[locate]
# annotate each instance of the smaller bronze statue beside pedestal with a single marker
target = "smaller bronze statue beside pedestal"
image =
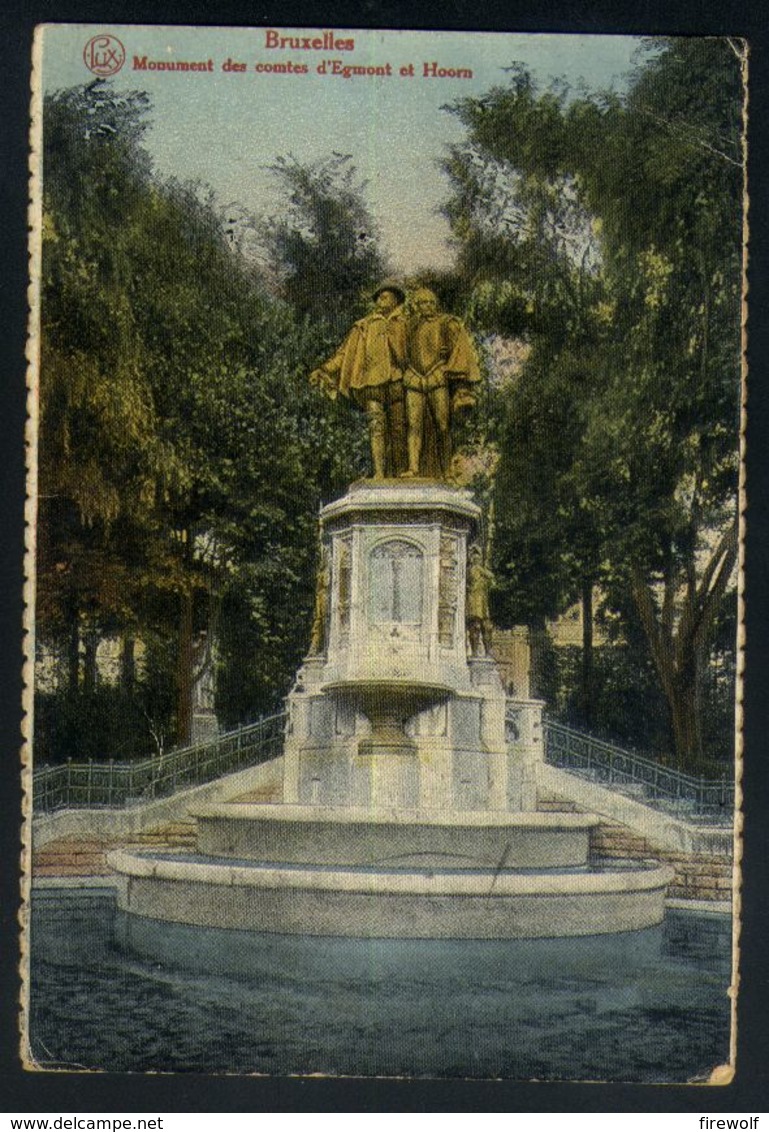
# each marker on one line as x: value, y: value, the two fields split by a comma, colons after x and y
x: 320, y: 615
x: 477, y: 614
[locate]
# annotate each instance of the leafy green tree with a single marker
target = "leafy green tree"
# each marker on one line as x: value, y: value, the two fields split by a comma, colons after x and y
x: 548, y: 545
x: 324, y: 246
x: 183, y: 456
x: 636, y: 338
x: 668, y: 432
x: 531, y: 260
x: 104, y: 459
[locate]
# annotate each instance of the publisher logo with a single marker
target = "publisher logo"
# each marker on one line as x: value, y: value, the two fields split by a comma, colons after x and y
x: 104, y: 55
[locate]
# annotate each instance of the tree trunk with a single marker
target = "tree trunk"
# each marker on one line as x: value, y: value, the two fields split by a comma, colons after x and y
x: 73, y: 651
x: 541, y: 682
x: 680, y: 652
x: 89, y: 661
x: 586, y: 691
x: 685, y: 717
x: 184, y: 676
x: 128, y: 664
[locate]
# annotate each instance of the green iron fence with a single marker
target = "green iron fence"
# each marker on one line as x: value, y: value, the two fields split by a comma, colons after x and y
x: 687, y: 796
x: 120, y: 784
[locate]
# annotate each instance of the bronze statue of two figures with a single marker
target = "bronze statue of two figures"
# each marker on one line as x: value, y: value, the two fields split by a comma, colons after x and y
x: 413, y: 373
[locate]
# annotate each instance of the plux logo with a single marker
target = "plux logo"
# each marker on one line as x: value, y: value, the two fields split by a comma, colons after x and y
x: 104, y: 55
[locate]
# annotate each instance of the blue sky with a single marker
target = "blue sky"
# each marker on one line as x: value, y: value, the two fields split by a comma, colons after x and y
x: 226, y: 129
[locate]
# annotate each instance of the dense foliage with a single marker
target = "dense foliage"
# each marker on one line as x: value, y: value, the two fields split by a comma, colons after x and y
x: 607, y: 232
x: 183, y: 456
x: 323, y: 246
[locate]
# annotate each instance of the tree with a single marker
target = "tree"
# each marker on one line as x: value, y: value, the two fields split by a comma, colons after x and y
x: 643, y: 346
x: 104, y: 459
x: 530, y: 258
x: 323, y: 247
x: 182, y: 455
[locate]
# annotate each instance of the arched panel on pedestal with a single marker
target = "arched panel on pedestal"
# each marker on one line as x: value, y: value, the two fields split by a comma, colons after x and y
x: 396, y: 573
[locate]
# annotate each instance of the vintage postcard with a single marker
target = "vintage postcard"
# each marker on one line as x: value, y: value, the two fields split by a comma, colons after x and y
x: 385, y: 416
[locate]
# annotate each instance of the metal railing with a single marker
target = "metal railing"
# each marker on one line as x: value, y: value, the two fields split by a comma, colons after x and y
x: 120, y: 784
x: 659, y: 786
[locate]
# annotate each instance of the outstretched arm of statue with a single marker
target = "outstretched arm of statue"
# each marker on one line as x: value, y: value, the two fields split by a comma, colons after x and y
x: 328, y: 376
x: 325, y: 381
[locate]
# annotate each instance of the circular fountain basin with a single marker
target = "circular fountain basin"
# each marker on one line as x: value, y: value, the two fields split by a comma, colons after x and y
x: 375, y: 688
x: 295, y: 834
x: 388, y: 903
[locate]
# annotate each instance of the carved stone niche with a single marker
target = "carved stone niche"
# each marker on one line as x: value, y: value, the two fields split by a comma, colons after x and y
x: 398, y: 584
x: 395, y: 583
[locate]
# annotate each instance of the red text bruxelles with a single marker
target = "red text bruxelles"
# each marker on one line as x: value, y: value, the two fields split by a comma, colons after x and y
x: 324, y: 42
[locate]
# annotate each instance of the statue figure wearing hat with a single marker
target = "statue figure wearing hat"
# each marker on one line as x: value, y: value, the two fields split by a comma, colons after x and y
x: 368, y: 369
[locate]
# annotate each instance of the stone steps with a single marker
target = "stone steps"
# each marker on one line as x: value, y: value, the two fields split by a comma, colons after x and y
x: 69, y: 857
x: 698, y: 876
x: 552, y: 805
x: 264, y: 794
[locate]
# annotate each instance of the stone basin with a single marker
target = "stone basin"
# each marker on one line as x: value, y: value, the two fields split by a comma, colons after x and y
x: 389, y: 704
x: 349, y: 836
x: 366, y: 903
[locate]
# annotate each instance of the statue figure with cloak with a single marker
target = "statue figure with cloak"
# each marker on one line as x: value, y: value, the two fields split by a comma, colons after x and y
x: 413, y: 376
x: 477, y: 614
x: 440, y: 378
x: 368, y: 369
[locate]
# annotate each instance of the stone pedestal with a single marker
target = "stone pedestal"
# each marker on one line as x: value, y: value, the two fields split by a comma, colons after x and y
x: 394, y: 714
x: 406, y: 771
